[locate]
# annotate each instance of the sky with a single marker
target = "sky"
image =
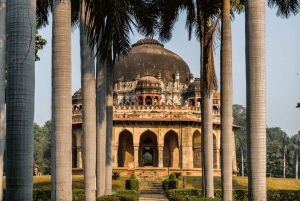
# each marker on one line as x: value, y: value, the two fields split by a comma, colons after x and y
x: 282, y: 67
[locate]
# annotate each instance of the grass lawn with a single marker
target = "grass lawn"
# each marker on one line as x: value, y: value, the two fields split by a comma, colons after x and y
x: 44, y: 182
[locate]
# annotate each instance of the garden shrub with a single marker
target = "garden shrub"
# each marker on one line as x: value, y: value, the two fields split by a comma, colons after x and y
x: 132, y: 183
x: 173, y: 182
x: 237, y: 195
x: 170, y: 183
x: 116, y: 175
x: 132, y: 194
x: 108, y: 198
x: 165, y: 185
x: 120, y: 196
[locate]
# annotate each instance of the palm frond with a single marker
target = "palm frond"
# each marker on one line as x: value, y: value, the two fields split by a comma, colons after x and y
x: 43, y: 9
x: 285, y: 7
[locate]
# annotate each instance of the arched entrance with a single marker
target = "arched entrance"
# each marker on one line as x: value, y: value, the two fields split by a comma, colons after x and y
x: 125, y: 149
x: 197, y: 149
x: 171, y: 150
x: 74, y: 151
x: 148, y: 150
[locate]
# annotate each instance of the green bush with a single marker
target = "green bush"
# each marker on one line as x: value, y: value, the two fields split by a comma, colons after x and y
x: 132, y: 183
x: 173, y: 182
x: 45, y: 194
x: 78, y: 195
x: 165, y: 185
x: 170, y: 183
x: 172, y: 176
x: 108, y: 198
x: 116, y: 175
x: 132, y: 194
x: 120, y: 196
x: 237, y: 195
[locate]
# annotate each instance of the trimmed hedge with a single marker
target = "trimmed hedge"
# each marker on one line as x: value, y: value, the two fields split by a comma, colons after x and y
x: 120, y: 196
x: 238, y: 195
x: 132, y: 183
x: 170, y: 183
x: 45, y: 194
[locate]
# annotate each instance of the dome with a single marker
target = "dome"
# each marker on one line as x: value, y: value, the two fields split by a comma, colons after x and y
x: 149, y: 57
x: 76, y: 98
x: 194, y: 89
x: 194, y: 86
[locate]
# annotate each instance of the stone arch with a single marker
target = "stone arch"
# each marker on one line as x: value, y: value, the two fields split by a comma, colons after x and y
x: 125, y: 149
x: 197, y: 163
x: 148, y: 149
x: 171, y: 150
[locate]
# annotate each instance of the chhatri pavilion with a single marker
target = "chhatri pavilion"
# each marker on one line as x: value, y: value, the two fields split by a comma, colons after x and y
x: 156, y: 115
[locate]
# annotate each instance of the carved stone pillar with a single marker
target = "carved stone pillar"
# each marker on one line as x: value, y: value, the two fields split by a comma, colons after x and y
x: 141, y: 163
x: 115, y: 163
x: 152, y: 100
x: 144, y: 99
x: 158, y: 100
x: 136, y: 156
x: 218, y: 158
x: 188, y: 101
x: 160, y: 156
x: 79, y: 156
x: 154, y: 158
x: 137, y: 100
x: 196, y: 101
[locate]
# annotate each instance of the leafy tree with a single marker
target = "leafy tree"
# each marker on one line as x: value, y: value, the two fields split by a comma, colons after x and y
x: 277, y: 140
x: 40, y: 42
x: 239, y: 118
x: 293, y: 154
x: 42, y: 147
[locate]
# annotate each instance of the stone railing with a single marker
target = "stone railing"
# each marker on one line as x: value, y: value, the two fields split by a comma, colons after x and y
x: 153, y: 111
x: 157, y: 107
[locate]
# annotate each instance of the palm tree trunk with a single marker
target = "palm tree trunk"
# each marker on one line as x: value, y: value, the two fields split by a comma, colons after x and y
x: 284, y: 162
x: 2, y: 83
x: 206, y: 113
x: 61, y: 139
x: 256, y: 99
x: 89, y: 110
x: 296, y: 173
x: 101, y: 128
x: 226, y: 103
x: 242, y: 162
x: 20, y: 99
x: 109, y: 126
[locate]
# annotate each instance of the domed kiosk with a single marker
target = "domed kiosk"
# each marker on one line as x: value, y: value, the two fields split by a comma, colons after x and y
x: 156, y: 114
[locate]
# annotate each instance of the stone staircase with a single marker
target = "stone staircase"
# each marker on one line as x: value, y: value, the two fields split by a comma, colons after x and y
x: 150, y: 182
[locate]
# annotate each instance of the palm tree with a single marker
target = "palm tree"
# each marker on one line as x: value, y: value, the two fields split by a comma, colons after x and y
x: 256, y: 99
x: 109, y: 126
x: 226, y: 102
x: 109, y: 30
x: 101, y: 127
x: 89, y: 110
x: 241, y: 145
x: 2, y: 83
x: 61, y: 164
x: 20, y: 99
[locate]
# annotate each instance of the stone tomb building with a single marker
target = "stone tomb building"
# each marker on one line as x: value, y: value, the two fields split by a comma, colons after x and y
x: 156, y: 114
